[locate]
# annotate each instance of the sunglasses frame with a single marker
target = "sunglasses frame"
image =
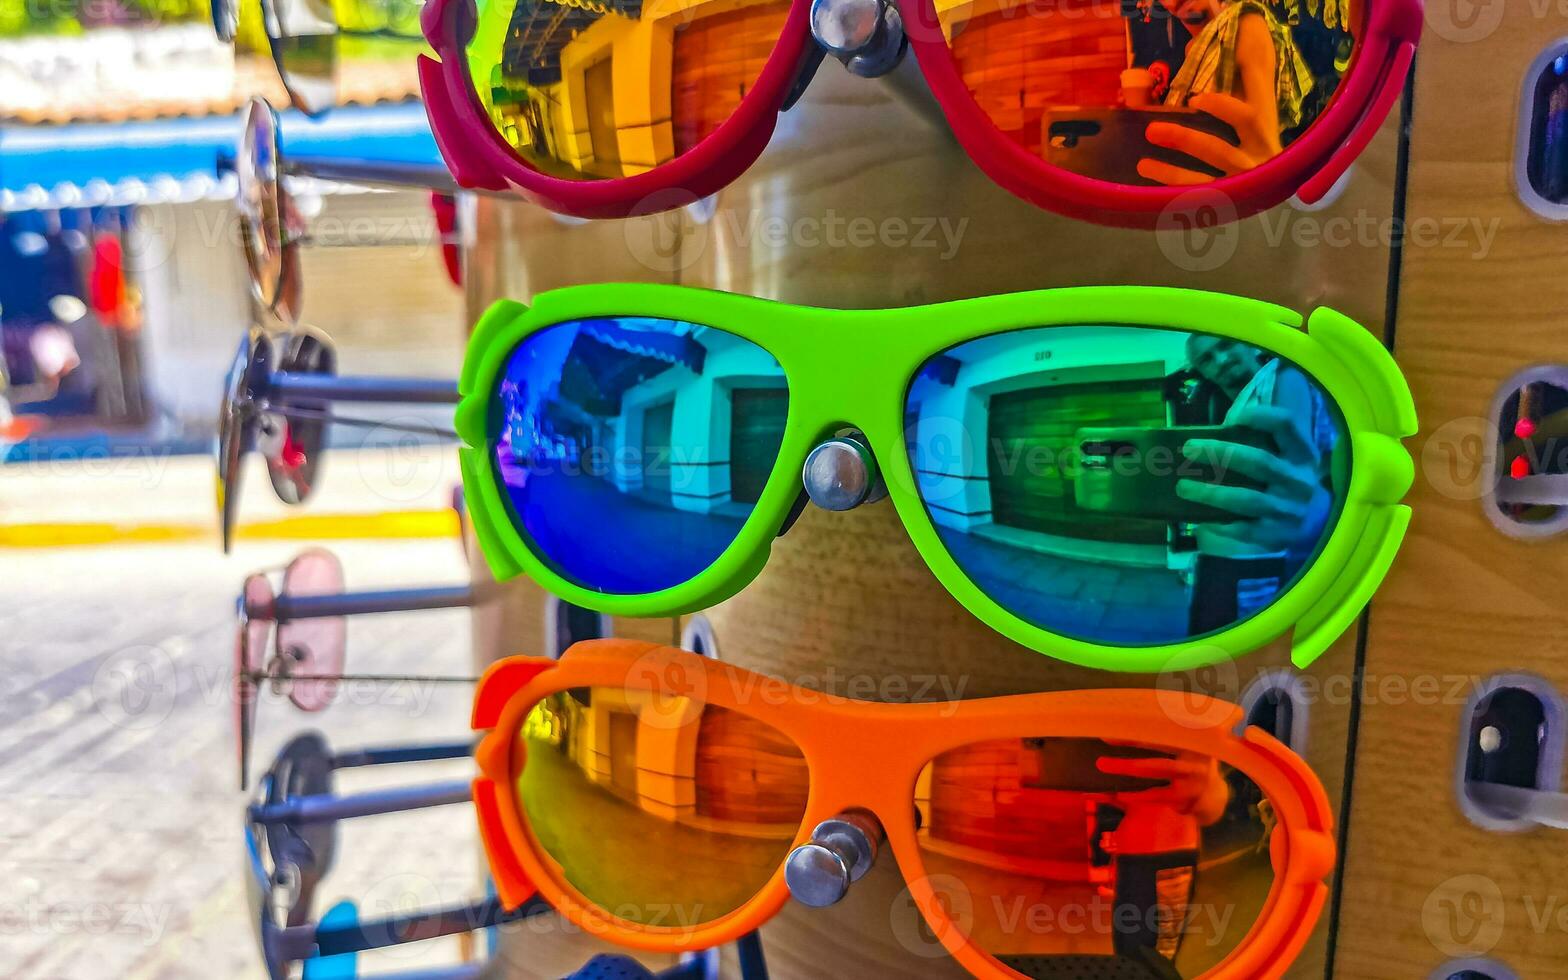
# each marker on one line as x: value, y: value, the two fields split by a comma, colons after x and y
x: 853, y: 368
x: 480, y: 159
x: 894, y: 742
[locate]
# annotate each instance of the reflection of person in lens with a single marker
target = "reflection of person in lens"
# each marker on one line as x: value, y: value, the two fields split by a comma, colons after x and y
x: 1284, y: 511
x: 1242, y: 66
x: 1126, y: 843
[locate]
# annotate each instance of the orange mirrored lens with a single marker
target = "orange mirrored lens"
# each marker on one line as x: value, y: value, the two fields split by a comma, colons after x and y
x: 1063, y: 856
x: 659, y: 810
x: 587, y: 89
x: 1150, y: 92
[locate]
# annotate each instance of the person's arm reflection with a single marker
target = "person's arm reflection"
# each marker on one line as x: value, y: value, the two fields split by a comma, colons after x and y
x: 1242, y: 68
x: 1193, y: 786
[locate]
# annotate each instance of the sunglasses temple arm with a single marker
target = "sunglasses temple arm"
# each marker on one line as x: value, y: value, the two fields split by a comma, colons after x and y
x: 396, y: 756
x: 408, y: 175
x: 753, y: 966
x: 810, y: 61
x: 379, y: 934
x: 326, y: 809
x: 286, y: 386
x: 290, y: 607
x: 468, y: 971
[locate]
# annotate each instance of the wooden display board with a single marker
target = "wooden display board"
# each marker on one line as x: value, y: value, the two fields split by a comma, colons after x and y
x: 864, y: 200
x: 1423, y: 884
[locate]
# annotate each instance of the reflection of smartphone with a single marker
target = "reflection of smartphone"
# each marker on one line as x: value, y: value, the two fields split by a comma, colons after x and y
x: 1133, y: 470
x: 1072, y: 765
x: 1107, y: 142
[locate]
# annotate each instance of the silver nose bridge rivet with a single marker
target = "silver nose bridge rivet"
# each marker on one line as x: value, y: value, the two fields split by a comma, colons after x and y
x: 840, y: 852
x: 841, y: 474
x: 866, y: 35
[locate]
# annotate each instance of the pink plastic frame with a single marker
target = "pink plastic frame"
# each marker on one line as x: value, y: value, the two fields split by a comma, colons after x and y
x: 480, y: 159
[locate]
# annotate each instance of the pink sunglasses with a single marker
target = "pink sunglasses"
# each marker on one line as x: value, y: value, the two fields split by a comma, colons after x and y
x: 1114, y: 111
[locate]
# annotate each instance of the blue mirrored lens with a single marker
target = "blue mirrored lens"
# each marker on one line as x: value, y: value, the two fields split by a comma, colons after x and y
x: 1125, y: 485
x: 632, y: 450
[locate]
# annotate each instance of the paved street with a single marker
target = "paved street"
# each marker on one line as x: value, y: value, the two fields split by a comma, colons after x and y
x: 121, y: 822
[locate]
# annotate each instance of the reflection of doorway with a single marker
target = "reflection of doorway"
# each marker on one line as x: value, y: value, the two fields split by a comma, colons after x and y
x: 1029, y: 439
x: 756, y: 430
x: 623, y: 753
x: 600, y: 85
x: 658, y: 423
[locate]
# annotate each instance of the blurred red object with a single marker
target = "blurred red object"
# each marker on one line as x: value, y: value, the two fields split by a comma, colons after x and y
x: 445, y: 208
x: 106, y: 281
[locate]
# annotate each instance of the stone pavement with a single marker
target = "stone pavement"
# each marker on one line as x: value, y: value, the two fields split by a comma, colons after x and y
x: 120, y: 833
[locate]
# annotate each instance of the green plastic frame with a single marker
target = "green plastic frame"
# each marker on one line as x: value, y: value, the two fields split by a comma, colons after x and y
x: 854, y: 367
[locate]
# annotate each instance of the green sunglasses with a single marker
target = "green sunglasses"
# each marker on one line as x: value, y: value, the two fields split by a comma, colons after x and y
x: 1135, y: 479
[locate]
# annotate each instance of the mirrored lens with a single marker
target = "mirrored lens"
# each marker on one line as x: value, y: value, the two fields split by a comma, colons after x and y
x: 588, y: 90
x: 1068, y: 858
x: 632, y: 450
x: 1125, y: 485
x: 1152, y: 91
x: 659, y: 810
x: 304, y: 37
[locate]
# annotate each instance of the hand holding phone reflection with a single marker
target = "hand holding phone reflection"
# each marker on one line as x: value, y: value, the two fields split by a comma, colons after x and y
x: 1259, y: 141
x: 1193, y: 783
x: 1290, y: 508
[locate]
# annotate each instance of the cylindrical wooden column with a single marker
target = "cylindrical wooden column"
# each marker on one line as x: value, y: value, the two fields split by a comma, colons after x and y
x: 864, y: 200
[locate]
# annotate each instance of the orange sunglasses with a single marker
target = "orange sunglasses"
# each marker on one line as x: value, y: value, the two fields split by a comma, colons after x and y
x: 654, y: 797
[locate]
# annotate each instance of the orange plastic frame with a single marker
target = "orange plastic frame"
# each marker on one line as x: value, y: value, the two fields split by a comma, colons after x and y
x: 867, y: 755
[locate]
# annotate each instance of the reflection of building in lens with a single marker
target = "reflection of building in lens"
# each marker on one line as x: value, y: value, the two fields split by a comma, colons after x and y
x: 611, y: 89
x: 706, y: 767
x: 638, y: 447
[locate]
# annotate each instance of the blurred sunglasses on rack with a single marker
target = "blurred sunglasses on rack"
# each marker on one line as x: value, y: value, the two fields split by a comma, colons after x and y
x: 314, y: 43
x: 283, y: 393
x: 1130, y: 479
x: 667, y: 801
x: 291, y: 845
x: 307, y: 621
x: 291, y: 839
x: 1106, y: 110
